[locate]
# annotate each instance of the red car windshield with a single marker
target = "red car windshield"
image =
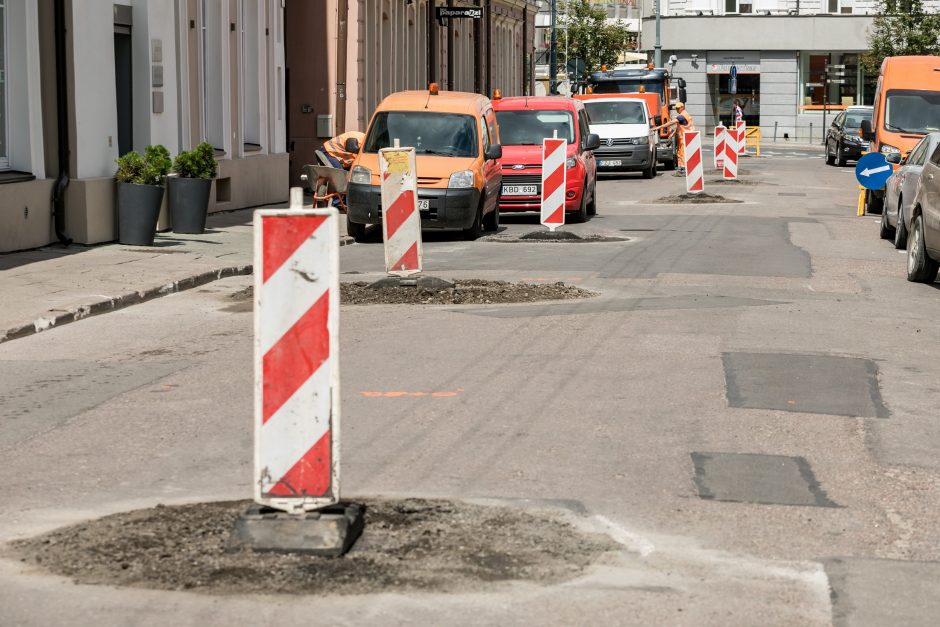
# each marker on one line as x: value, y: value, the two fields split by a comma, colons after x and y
x: 528, y: 127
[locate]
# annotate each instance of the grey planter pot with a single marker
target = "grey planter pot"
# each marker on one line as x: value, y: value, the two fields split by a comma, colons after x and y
x: 188, y: 203
x: 138, y: 211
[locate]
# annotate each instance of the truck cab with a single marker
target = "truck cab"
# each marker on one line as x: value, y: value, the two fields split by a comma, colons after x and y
x: 651, y: 83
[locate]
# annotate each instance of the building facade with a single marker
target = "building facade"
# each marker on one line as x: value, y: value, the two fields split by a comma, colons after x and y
x: 86, y: 81
x: 345, y: 56
x: 796, y: 62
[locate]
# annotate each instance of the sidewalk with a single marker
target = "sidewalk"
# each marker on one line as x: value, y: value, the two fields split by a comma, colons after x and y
x: 54, y: 285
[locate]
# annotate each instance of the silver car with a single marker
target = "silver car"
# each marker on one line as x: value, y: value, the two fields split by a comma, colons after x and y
x: 901, y: 189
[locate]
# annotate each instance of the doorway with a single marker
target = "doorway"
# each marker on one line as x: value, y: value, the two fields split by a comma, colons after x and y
x: 747, y: 91
x: 123, y: 77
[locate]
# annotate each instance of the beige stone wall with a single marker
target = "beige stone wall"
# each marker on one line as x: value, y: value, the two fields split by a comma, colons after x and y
x: 25, y: 215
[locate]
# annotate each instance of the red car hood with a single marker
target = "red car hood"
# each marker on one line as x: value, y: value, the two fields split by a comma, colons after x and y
x: 526, y: 155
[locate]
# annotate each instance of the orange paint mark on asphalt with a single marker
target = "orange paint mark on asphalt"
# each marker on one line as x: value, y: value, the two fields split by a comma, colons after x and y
x: 396, y: 394
x: 791, y: 402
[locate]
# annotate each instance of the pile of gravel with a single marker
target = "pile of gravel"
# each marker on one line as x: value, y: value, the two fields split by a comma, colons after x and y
x: 464, y: 292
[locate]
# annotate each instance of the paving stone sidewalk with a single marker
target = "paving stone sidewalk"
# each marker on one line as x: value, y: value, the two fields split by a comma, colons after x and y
x: 54, y: 285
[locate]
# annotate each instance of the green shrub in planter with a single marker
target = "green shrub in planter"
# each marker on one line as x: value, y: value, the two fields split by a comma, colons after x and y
x: 140, y: 194
x: 189, y: 190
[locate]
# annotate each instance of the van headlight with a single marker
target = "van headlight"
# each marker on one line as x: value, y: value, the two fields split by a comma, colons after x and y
x: 570, y: 162
x: 888, y: 150
x: 360, y: 175
x: 640, y: 141
x: 464, y: 178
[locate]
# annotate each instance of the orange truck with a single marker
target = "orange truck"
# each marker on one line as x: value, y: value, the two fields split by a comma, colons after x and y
x: 654, y: 86
x: 907, y: 107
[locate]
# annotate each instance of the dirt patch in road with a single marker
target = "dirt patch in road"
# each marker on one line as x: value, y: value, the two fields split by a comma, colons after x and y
x: 694, y: 199
x: 412, y: 544
x: 464, y: 292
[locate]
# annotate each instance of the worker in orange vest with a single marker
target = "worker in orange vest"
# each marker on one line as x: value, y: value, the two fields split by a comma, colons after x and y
x: 683, y: 122
x: 335, y: 149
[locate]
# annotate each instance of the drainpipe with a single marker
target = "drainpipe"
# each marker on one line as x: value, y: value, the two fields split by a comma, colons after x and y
x: 62, y: 113
x: 342, y: 30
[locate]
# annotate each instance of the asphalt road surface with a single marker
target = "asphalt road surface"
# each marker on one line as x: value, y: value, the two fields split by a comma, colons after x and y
x: 749, y: 409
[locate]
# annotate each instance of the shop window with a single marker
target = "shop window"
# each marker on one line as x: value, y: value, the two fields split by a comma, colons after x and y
x: 4, y: 151
x: 832, y: 81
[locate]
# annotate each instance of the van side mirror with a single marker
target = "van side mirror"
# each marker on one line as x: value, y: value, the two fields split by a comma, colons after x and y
x: 867, y: 133
x: 352, y: 145
x: 593, y: 142
x: 893, y: 157
x: 493, y: 151
x: 681, y: 83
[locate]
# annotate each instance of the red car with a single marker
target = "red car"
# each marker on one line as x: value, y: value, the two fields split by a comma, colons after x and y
x: 523, y: 123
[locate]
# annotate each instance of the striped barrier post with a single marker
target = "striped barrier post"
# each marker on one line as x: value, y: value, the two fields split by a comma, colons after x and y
x: 742, y: 137
x: 719, y: 152
x: 730, y: 166
x: 694, y: 168
x: 401, y: 221
x: 296, y: 329
x: 553, y: 182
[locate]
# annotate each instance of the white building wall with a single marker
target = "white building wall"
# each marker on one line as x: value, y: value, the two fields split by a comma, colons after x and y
x: 91, y: 34
x: 779, y: 83
x: 153, y: 21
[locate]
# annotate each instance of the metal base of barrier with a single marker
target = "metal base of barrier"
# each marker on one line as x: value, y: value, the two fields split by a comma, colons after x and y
x: 330, y: 531
x: 422, y: 281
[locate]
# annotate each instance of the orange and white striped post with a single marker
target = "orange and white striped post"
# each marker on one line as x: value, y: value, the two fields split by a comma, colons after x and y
x: 742, y: 137
x: 719, y: 152
x: 694, y: 168
x: 401, y: 221
x: 730, y: 166
x: 296, y: 325
x: 554, y: 180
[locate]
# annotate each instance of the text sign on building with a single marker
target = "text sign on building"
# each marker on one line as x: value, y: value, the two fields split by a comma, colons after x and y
x: 444, y: 13
x: 741, y: 63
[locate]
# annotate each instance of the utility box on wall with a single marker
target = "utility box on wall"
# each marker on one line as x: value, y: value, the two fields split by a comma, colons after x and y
x: 325, y: 125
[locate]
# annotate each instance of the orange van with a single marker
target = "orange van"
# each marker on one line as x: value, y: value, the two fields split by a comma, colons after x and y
x: 456, y: 142
x: 907, y: 107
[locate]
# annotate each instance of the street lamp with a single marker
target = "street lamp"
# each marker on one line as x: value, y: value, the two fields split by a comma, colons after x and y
x: 657, y: 47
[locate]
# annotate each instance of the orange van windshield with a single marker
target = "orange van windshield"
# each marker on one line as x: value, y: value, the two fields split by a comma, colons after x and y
x: 430, y: 133
x: 912, y: 111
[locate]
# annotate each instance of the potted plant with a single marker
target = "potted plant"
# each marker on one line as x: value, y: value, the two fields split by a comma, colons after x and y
x: 140, y: 194
x: 189, y: 190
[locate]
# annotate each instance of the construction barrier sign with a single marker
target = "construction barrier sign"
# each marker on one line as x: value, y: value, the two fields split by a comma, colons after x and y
x: 554, y: 181
x: 694, y: 170
x: 401, y: 220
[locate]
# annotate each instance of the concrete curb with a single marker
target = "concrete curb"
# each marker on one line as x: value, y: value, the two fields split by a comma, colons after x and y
x: 74, y: 314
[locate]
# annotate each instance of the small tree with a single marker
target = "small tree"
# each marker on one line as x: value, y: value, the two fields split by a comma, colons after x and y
x: 901, y: 28
x: 589, y: 36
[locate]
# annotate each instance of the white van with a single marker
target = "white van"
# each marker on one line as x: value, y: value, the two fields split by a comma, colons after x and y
x: 624, y: 124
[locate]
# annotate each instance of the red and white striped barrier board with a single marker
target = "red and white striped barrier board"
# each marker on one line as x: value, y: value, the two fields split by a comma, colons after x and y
x: 719, y: 152
x: 730, y: 165
x: 296, y: 358
x: 694, y: 169
x: 742, y: 137
x: 554, y: 181
x: 401, y: 221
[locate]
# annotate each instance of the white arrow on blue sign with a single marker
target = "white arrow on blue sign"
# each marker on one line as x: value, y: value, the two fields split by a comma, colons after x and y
x: 872, y: 171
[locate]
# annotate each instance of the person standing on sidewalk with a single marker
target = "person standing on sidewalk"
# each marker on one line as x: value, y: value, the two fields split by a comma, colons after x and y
x: 738, y: 112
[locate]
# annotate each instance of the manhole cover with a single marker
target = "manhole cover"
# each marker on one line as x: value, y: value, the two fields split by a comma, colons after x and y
x: 818, y: 384
x: 412, y: 544
x: 763, y: 479
x: 694, y: 199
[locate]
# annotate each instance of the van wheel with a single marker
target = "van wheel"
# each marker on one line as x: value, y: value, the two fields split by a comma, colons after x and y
x: 491, y: 220
x: 355, y: 230
x: 650, y: 172
x: 476, y: 229
x: 920, y: 267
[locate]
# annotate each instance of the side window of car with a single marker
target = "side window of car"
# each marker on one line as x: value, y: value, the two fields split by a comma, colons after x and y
x: 493, y: 127
x: 485, y: 133
x: 935, y: 157
x: 916, y: 157
x: 583, y: 128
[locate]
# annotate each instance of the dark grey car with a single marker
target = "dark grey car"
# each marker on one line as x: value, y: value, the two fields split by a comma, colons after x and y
x: 923, y: 225
x: 901, y: 189
x: 843, y: 141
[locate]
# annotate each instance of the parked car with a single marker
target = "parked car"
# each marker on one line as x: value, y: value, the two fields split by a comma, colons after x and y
x: 843, y: 141
x: 902, y: 188
x: 624, y: 124
x: 923, y: 225
x: 907, y: 107
x: 456, y: 142
x: 523, y: 124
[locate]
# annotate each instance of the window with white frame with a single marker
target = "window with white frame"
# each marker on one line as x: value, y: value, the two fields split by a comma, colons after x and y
x: 4, y: 132
x: 841, y: 6
x: 739, y: 6
x: 251, y: 45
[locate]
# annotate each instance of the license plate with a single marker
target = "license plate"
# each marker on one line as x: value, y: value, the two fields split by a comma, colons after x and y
x: 609, y: 163
x: 520, y: 190
x: 424, y: 205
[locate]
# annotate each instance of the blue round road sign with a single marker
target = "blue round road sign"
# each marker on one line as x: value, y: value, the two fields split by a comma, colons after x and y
x: 872, y: 171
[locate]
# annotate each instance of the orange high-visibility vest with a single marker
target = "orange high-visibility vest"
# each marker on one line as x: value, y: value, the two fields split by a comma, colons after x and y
x: 336, y: 147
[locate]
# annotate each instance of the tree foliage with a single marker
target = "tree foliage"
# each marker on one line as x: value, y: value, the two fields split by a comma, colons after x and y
x: 901, y: 28
x: 589, y: 36
x: 198, y: 163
